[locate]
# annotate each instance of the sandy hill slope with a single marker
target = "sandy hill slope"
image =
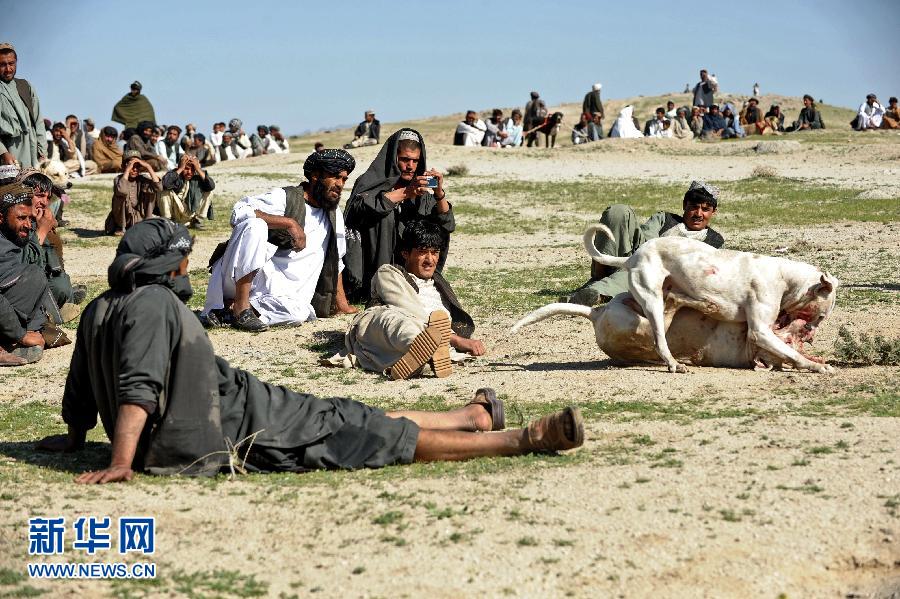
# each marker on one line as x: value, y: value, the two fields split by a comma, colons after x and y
x: 439, y: 129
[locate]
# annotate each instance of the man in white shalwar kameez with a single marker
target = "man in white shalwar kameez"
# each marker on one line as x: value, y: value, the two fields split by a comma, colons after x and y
x: 283, y: 261
x: 870, y: 114
x: 624, y: 125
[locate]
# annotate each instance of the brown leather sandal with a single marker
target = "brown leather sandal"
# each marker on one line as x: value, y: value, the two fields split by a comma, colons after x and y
x: 549, y: 433
x: 487, y: 397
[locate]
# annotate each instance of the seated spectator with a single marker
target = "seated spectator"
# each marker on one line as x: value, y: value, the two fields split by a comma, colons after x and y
x: 92, y: 134
x: 260, y: 141
x: 126, y: 134
x: 713, y: 123
x: 699, y: 205
x: 753, y: 121
x: 732, y: 123
x: 283, y: 261
x: 77, y: 135
x: 810, y: 118
x: 385, y: 199
x: 869, y: 116
x: 239, y: 138
x: 775, y: 118
x: 514, y: 130
x: 186, y: 193
x: 172, y: 150
x: 471, y: 131
x: 580, y: 133
x: 230, y: 150
x: 187, y: 140
x: 215, y: 137
x: 23, y: 287
x: 202, y: 150
x: 671, y: 112
x: 367, y: 133
x: 391, y: 334
x: 135, y: 193
x: 144, y: 144
x: 44, y: 247
x: 891, y: 119
x: 107, y: 153
x: 624, y: 125
x: 280, y: 145
x: 62, y: 149
x: 658, y: 126
x: 697, y: 121
x: 595, y: 127
x: 496, y: 130
x: 681, y: 128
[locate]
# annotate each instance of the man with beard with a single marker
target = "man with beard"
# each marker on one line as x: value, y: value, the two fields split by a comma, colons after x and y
x: 391, y: 193
x: 282, y: 263
x: 142, y: 143
x: 170, y: 406
x: 173, y: 151
x: 133, y: 108
x: 43, y: 247
x: 700, y: 204
x: 22, y: 130
x: 23, y: 287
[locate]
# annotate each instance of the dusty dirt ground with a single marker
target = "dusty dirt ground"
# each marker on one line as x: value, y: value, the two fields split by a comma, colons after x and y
x: 732, y: 484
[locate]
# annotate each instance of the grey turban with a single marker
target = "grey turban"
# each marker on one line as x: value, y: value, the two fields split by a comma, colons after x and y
x: 330, y: 161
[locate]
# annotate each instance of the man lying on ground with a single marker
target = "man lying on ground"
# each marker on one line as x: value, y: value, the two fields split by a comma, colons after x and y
x: 24, y: 294
x: 283, y: 261
x: 169, y: 405
x: 700, y: 204
x: 187, y: 193
x: 413, y: 318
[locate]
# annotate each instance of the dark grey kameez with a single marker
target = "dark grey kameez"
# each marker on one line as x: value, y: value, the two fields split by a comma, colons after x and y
x: 23, y: 293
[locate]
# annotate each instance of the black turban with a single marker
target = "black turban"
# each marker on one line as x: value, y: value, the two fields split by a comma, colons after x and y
x: 330, y: 161
x: 148, y: 252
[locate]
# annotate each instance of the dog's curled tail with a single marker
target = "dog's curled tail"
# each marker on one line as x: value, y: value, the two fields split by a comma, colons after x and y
x: 549, y: 310
x: 592, y: 250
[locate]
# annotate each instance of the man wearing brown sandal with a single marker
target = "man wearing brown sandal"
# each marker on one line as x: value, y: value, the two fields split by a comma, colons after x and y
x: 144, y: 364
x: 414, y: 318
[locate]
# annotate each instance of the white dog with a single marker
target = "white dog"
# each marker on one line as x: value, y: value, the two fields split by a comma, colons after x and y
x: 735, y: 287
x: 624, y: 333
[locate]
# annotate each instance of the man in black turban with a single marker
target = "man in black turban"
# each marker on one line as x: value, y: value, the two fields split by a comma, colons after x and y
x: 282, y: 262
x: 171, y: 406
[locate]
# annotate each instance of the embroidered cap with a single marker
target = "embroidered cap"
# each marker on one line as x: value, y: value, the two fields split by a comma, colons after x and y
x: 711, y: 190
x: 8, y: 171
x: 408, y: 134
x: 13, y: 194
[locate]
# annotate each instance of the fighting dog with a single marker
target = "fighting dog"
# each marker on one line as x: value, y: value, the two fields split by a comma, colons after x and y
x: 734, y: 286
x: 624, y: 334
x: 550, y: 128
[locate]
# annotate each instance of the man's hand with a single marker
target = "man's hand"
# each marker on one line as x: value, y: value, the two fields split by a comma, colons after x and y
x: 113, y: 474
x: 8, y: 158
x: 469, y: 346
x: 297, y: 234
x: 32, y: 339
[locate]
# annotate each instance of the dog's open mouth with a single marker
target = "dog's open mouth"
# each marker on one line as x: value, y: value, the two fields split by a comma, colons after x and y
x: 795, y: 331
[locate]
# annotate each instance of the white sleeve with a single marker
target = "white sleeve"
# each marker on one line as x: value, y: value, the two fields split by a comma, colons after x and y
x: 341, y: 238
x: 273, y: 202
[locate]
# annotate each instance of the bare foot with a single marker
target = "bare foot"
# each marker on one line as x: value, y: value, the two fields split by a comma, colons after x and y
x: 345, y: 309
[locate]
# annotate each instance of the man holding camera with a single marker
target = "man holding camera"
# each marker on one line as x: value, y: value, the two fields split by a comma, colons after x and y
x: 282, y: 263
x: 135, y: 193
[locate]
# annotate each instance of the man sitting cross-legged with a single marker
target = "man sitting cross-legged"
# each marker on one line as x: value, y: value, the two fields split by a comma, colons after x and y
x: 171, y: 406
x: 413, y: 314
x: 700, y: 204
x: 282, y: 264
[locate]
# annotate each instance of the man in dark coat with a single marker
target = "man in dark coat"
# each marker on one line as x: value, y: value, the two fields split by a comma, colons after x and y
x: 133, y: 108
x: 700, y: 204
x: 171, y: 406
x: 391, y: 193
x: 367, y: 133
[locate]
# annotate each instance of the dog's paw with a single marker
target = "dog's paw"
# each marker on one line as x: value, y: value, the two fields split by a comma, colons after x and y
x: 678, y: 368
x: 826, y: 369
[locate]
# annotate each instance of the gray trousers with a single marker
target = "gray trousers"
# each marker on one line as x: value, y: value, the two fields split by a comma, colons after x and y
x: 21, y: 304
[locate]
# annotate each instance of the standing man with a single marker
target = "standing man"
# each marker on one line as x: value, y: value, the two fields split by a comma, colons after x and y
x: 592, y: 104
x: 535, y: 113
x: 283, y: 261
x: 22, y: 133
x: 133, y: 108
x: 704, y: 90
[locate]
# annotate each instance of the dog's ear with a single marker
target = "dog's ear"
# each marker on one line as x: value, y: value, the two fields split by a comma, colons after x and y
x: 824, y: 287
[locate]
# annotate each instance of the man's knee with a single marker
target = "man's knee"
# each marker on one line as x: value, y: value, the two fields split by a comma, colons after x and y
x: 61, y: 289
x: 617, y: 213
